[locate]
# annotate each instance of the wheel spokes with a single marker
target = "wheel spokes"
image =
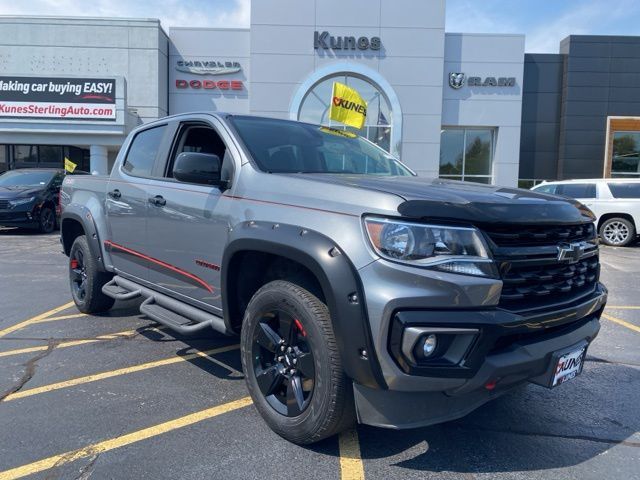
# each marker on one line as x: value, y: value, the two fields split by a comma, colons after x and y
x: 269, y: 380
x: 305, y: 365
x: 295, y: 396
x: 267, y: 337
x: 286, y: 328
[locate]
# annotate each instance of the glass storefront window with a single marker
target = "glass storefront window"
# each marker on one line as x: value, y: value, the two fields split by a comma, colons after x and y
x: 50, y: 156
x: 25, y: 154
x: 4, y: 159
x: 377, y: 128
x: 626, y: 155
x: 466, y: 154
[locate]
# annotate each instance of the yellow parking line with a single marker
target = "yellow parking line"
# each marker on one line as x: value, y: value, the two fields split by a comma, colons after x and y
x: 351, y: 466
x: 62, y: 317
x: 73, y: 343
x: 623, y: 307
x: 630, y: 326
x: 113, y: 373
x: 122, y: 441
x: 35, y: 319
x: 220, y: 364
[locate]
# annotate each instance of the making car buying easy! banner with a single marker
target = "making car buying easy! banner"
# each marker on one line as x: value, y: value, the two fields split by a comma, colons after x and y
x: 347, y: 106
x: 58, y: 98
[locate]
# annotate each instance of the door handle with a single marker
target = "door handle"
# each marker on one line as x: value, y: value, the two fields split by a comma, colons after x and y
x: 158, y: 201
x: 115, y: 194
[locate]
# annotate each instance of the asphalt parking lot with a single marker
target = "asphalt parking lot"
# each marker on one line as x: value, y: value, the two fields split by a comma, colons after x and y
x: 116, y: 396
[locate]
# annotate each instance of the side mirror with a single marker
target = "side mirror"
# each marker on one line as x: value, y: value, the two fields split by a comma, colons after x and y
x: 201, y: 168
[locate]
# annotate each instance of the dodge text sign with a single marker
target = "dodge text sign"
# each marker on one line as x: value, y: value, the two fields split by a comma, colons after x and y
x: 58, y: 98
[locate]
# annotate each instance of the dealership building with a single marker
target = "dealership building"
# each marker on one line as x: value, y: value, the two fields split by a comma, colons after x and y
x: 464, y: 106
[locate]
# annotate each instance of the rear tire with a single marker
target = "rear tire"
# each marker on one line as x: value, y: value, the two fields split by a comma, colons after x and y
x: 617, y: 232
x: 287, y: 333
x: 86, y: 280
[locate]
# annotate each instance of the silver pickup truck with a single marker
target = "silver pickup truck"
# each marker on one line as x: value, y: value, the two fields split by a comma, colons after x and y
x: 358, y: 289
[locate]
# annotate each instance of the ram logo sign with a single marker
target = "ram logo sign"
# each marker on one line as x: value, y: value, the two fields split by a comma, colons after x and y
x: 457, y: 80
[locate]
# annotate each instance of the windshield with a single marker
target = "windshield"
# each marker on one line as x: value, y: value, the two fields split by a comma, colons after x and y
x: 280, y: 146
x: 15, y: 178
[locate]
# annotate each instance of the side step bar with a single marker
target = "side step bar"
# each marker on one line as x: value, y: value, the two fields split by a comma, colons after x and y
x: 168, y: 311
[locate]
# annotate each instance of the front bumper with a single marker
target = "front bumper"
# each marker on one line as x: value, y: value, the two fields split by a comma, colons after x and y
x: 18, y: 218
x: 495, y: 350
x: 504, y: 370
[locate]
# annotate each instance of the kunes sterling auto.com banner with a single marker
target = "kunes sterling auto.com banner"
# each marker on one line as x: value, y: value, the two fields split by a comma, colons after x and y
x: 58, y: 98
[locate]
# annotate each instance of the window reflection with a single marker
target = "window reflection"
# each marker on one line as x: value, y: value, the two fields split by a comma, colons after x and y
x: 626, y: 155
x: 466, y: 154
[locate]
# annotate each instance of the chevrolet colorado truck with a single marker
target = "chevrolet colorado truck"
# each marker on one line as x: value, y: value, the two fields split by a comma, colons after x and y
x: 358, y: 289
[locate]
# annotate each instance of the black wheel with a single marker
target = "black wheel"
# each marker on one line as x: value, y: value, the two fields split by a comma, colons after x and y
x: 292, y: 364
x: 86, y: 280
x: 47, y: 220
x: 617, y: 232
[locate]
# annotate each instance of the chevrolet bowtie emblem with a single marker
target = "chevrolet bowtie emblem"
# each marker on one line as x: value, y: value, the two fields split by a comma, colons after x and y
x: 571, y: 252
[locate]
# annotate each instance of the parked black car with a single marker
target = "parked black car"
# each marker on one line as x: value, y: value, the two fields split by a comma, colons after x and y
x: 29, y: 198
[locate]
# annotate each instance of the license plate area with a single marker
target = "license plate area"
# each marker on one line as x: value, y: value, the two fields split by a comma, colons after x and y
x: 568, y: 366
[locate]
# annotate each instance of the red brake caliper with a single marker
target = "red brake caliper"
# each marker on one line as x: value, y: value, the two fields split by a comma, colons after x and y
x: 74, y: 263
x: 299, y: 327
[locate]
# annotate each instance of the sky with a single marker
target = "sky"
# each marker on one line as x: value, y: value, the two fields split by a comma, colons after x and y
x: 544, y: 22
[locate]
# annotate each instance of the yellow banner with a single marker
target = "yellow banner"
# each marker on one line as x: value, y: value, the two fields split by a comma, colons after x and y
x: 347, y: 106
x: 69, y: 166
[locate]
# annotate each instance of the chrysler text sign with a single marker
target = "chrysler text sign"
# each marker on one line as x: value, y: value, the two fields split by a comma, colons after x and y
x: 58, y: 98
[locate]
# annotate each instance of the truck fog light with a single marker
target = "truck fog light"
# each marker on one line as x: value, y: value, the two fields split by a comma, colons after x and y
x: 429, y: 345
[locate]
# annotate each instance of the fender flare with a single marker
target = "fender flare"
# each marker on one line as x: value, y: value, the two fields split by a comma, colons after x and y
x: 83, y: 215
x: 338, y: 279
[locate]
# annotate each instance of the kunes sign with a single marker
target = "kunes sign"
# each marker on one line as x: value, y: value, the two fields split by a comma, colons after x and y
x: 58, y: 98
x: 322, y: 40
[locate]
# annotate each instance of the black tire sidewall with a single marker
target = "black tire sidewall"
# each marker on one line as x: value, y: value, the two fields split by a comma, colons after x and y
x: 632, y: 231
x: 41, y: 225
x: 94, y: 300
x: 305, y: 426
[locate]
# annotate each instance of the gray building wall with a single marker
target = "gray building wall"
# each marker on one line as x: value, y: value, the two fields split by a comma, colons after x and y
x: 541, y: 100
x: 601, y: 78
x: 208, y: 44
x: 410, y: 62
x: 499, y: 108
x: 133, y: 51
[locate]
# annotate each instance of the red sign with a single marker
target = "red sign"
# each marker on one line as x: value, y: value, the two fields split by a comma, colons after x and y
x: 210, y: 84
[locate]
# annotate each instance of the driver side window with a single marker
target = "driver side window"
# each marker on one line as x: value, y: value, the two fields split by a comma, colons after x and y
x: 199, y: 139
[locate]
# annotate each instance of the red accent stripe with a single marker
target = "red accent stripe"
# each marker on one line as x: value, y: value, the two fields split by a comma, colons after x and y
x: 193, y: 277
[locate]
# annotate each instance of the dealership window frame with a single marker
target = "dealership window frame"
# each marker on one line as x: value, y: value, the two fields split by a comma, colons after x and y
x: 377, y: 132
x: 463, y: 176
x: 635, y: 154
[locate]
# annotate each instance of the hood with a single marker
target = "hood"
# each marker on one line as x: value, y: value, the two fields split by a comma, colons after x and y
x: 447, y: 199
x: 19, y: 191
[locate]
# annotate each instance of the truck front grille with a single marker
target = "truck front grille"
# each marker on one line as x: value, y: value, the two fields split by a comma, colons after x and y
x: 533, y: 275
x: 4, y: 204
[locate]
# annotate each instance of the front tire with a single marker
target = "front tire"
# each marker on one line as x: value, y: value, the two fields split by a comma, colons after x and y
x: 46, y: 220
x: 86, y: 280
x: 617, y: 232
x: 292, y: 364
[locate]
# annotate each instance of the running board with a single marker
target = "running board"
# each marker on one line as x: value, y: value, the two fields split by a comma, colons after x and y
x: 166, y: 310
x: 171, y: 319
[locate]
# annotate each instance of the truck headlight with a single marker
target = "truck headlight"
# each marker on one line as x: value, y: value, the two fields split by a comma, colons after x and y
x: 21, y: 201
x: 447, y: 248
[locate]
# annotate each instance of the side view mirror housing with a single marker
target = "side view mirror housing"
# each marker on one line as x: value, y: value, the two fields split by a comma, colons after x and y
x: 200, y: 168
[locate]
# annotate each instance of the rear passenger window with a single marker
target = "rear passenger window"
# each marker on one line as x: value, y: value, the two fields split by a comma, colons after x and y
x: 545, y: 189
x: 625, y: 190
x: 577, y: 190
x: 143, y: 151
